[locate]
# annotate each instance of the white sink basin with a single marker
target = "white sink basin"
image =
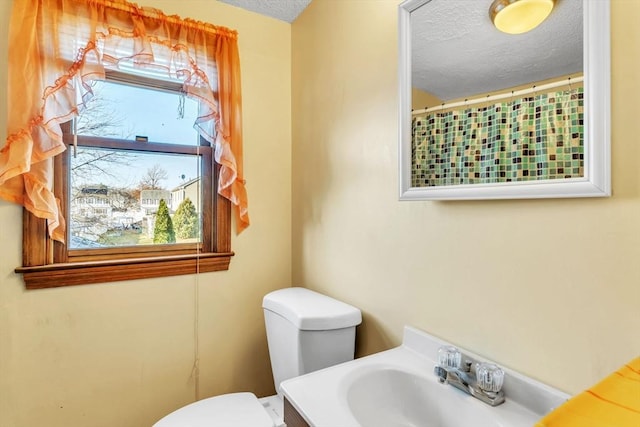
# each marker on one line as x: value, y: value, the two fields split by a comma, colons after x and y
x: 380, y: 396
x: 397, y: 388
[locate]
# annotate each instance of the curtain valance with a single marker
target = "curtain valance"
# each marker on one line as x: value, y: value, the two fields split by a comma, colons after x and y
x: 58, y: 47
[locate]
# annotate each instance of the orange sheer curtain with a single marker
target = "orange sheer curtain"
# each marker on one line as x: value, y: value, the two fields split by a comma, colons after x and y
x: 57, y: 47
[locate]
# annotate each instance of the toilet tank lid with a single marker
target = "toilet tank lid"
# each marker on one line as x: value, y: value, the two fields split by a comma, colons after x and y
x: 311, y: 311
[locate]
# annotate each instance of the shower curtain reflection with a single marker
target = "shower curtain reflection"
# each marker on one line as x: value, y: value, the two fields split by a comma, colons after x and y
x: 539, y: 137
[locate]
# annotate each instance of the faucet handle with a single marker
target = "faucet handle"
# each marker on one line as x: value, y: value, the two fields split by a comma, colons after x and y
x: 449, y: 357
x: 489, y: 377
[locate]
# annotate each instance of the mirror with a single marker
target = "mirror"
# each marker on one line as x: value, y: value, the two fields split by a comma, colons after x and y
x: 437, y: 31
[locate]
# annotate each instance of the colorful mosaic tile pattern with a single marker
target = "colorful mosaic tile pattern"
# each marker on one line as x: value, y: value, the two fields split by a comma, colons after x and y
x: 534, y: 138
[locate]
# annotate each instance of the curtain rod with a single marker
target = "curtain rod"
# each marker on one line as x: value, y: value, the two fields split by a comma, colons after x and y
x: 153, y: 13
x: 499, y: 96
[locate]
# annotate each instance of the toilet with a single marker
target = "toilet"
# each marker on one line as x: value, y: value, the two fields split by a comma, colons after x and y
x: 306, y: 331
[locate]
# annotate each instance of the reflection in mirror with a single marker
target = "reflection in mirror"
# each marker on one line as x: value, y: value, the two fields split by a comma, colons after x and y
x: 485, y: 114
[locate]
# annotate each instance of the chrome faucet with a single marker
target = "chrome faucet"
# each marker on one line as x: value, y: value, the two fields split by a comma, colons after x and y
x: 466, y: 379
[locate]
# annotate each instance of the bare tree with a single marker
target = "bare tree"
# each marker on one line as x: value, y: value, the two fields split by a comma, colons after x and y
x: 92, y: 168
x: 124, y: 199
x: 151, y: 179
x: 100, y: 117
x: 92, y: 165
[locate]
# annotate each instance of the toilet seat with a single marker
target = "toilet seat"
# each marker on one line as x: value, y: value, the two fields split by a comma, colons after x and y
x: 227, y: 410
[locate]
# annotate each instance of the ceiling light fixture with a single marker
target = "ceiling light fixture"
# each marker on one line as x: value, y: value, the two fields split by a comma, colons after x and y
x: 519, y: 16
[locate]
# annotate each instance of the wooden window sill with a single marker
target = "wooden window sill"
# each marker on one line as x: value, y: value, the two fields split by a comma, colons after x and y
x: 82, y: 273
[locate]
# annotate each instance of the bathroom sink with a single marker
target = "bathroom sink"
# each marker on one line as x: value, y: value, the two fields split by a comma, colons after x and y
x: 397, y: 388
x: 379, y: 396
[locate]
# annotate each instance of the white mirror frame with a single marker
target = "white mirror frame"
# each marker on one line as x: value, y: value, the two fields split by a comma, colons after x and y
x: 597, y: 122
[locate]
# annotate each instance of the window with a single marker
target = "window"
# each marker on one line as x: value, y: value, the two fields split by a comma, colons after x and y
x: 90, y: 213
x: 137, y: 187
x: 130, y: 158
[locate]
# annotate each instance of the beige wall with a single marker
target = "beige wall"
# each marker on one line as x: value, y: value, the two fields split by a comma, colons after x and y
x: 421, y: 99
x: 548, y: 287
x: 121, y: 354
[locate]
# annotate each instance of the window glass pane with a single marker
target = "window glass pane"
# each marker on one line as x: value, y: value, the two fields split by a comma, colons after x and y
x: 124, y: 112
x: 116, y: 198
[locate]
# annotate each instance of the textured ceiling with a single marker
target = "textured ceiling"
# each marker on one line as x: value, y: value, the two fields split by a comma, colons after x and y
x: 284, y: 10
x: 457, y: 52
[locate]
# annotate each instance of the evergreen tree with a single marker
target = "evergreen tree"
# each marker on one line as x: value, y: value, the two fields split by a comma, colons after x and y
x: 185, y: 220
x: 163, y: 230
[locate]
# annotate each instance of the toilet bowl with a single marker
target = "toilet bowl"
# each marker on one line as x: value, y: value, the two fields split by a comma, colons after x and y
x: 306, y: 331
x: 227, y: 410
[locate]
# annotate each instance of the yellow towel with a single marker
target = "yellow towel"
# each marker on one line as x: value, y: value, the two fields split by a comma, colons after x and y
x: 613, y: 402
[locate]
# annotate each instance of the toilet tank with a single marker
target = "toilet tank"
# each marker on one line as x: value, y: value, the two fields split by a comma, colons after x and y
x: 307, y: 331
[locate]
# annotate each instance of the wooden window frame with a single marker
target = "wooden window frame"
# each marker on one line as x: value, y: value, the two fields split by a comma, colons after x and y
x: 47, y: 263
